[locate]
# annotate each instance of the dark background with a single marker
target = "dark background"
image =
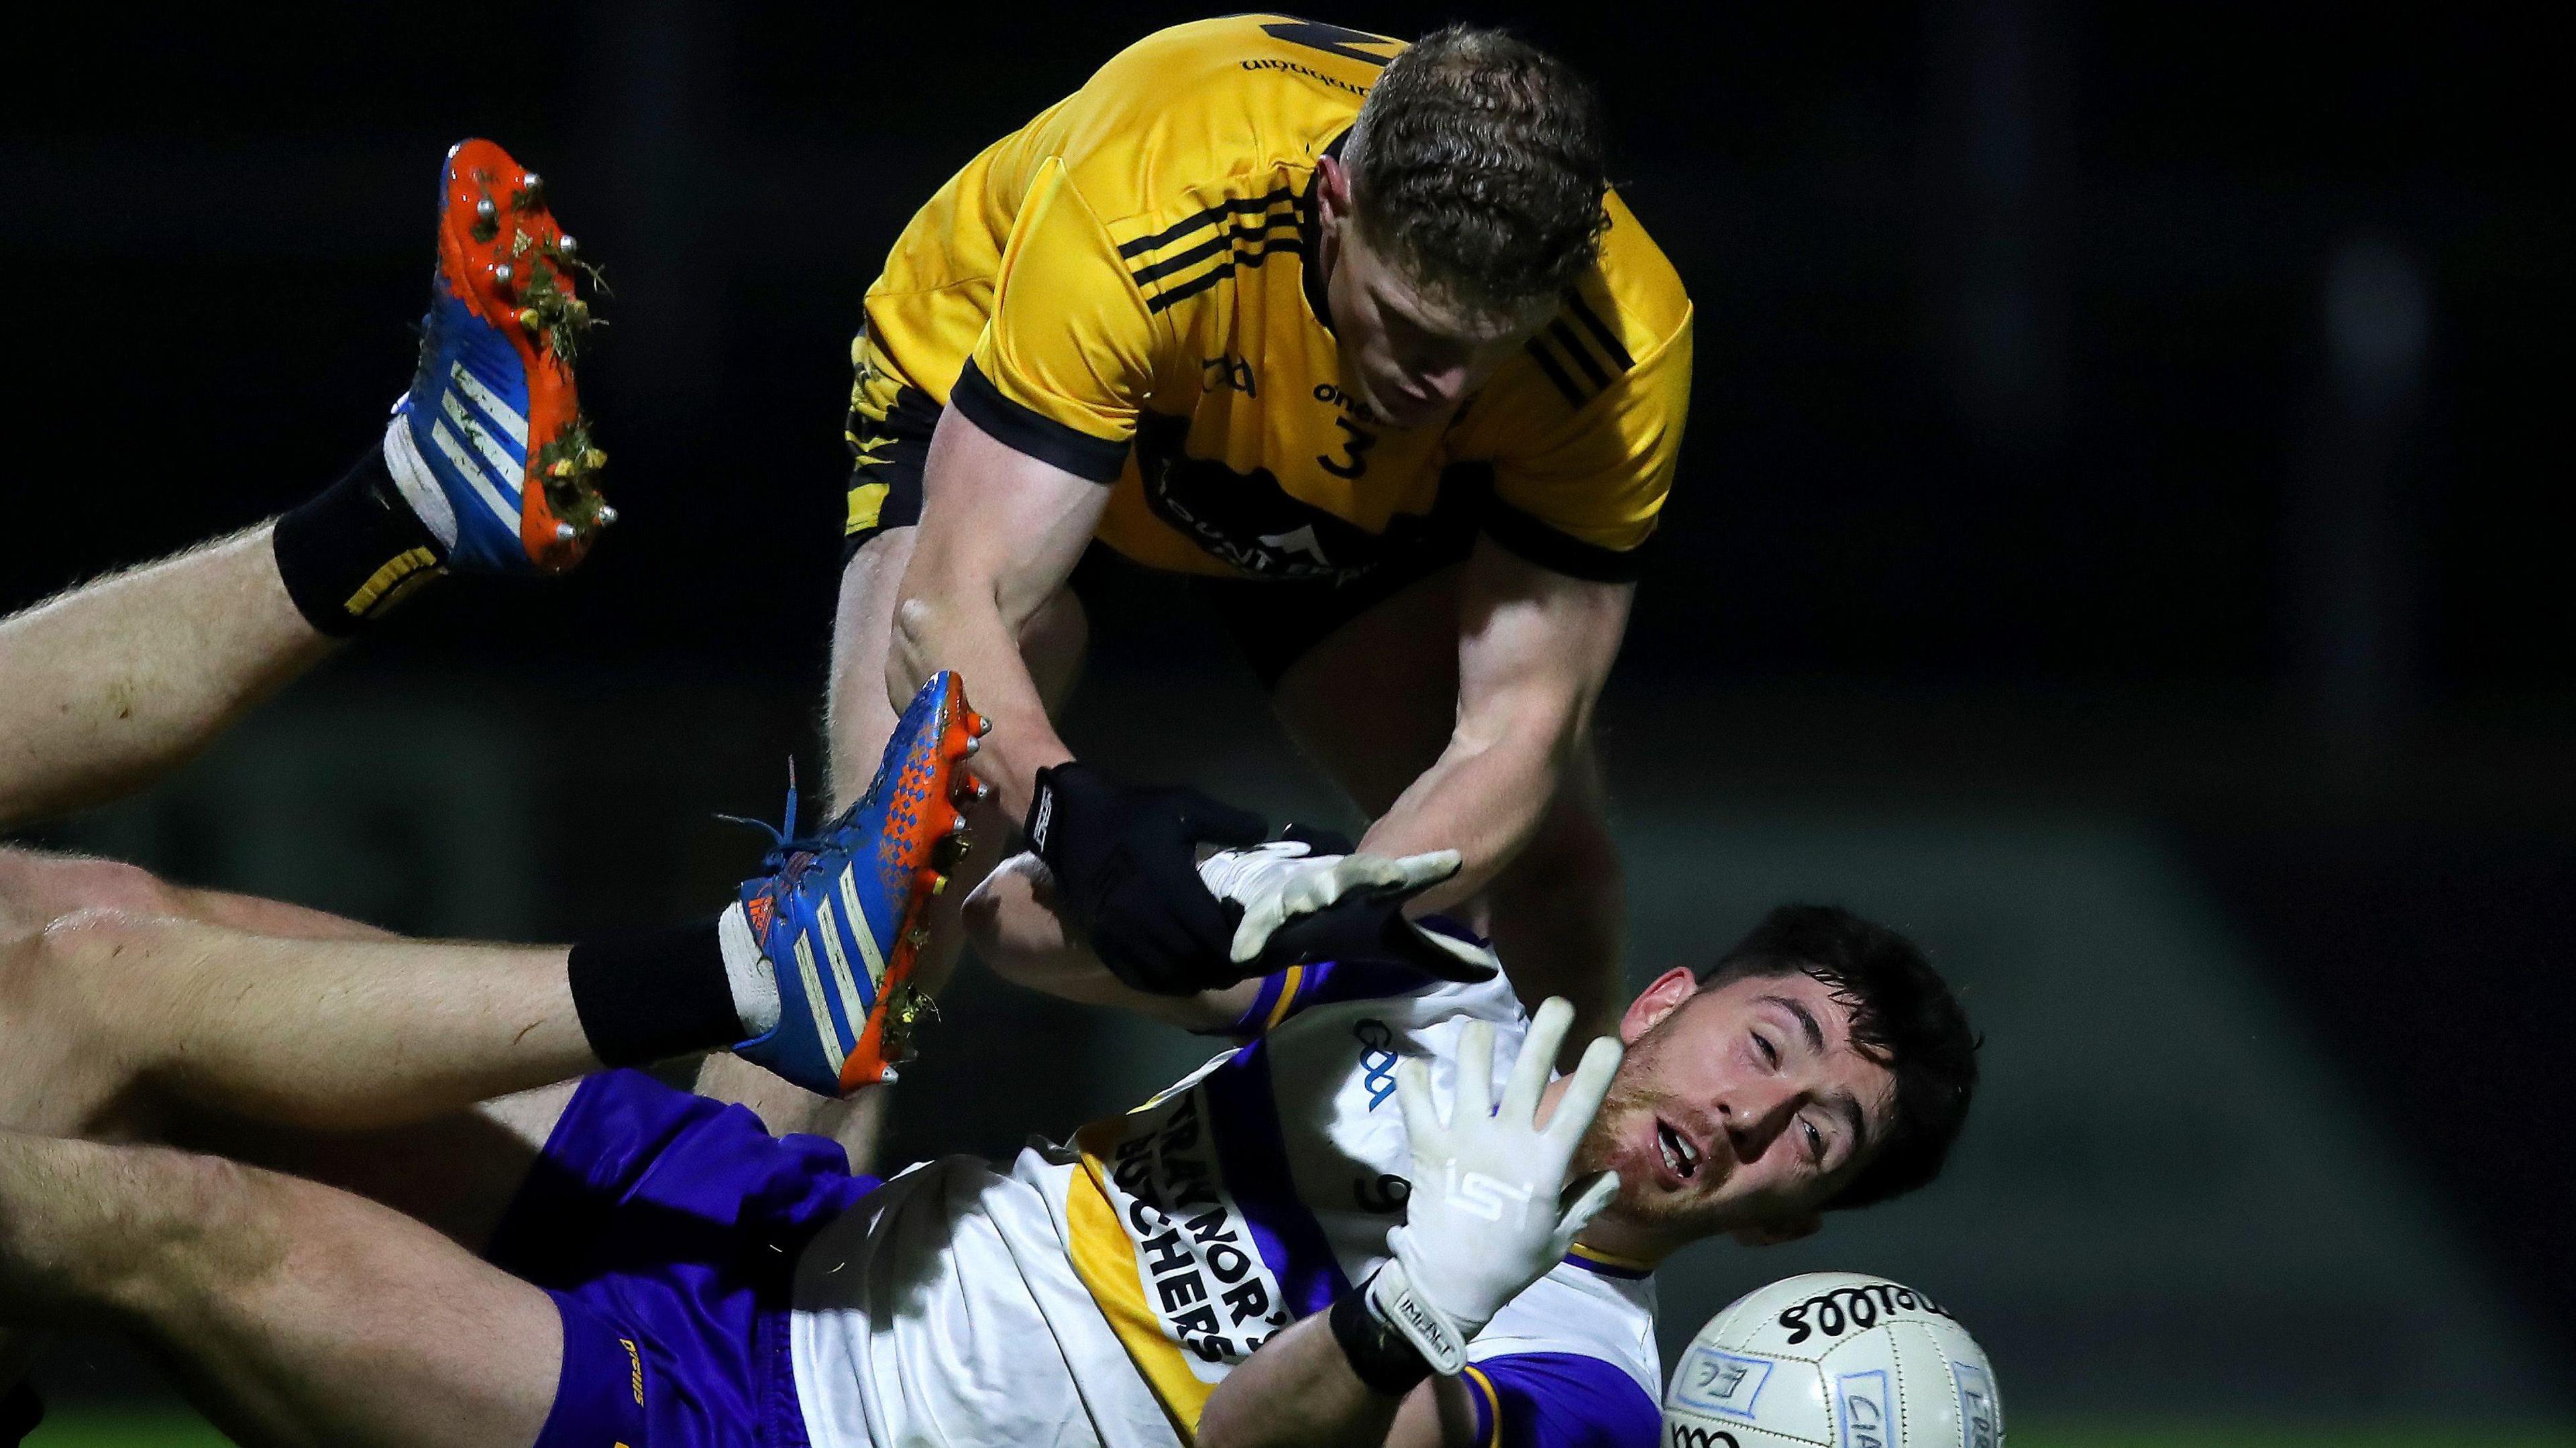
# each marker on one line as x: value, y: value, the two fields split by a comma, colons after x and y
x: 2138, y: 408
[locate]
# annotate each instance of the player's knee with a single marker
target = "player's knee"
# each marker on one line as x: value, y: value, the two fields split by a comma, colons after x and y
x: 182, y: 1231
x: 84, y: 942
x: 64, y: 979
x: 37, y: 886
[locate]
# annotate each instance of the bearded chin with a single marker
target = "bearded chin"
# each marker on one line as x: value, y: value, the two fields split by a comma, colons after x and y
x: 1599, y: 1149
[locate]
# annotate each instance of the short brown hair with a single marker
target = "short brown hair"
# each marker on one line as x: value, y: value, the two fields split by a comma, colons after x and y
x: 1478, y: 164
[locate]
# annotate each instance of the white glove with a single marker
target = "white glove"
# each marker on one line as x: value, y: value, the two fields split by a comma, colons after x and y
x: 1283, y: 882
x: 1487, y: 1215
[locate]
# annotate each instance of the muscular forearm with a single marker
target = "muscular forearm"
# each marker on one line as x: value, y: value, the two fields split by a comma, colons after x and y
x: 999, y: 534
x: 962, y: 629
x: 1534, y: 648
x: 1483, y: 799
x: 107, y: 687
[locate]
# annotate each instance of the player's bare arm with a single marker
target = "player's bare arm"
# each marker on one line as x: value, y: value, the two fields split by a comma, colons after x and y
x: 1000, y: 532
x: 1012, y: 921
x: 1534, y: 647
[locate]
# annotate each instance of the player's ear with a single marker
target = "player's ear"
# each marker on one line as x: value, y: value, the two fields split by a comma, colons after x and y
x: 1773, y: 1234
x: 1661, y: 997
x: 1333, y: 187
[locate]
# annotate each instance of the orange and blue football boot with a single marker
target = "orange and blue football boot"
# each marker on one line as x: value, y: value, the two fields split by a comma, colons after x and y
x: 841, y: 916
x: 490, y: 446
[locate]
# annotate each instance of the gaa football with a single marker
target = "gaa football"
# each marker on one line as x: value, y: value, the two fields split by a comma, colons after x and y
x: 1833, y: 1360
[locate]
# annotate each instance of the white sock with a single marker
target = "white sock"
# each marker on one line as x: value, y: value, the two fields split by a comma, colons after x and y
x: 421, y: 490
x: 755, y: 985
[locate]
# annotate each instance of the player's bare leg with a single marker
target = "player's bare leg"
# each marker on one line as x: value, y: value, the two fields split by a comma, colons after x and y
x: 858, y: 721
x: 454, y: 1172
x: 293, y: 1313
x: 133, y: 1021
x: 118, y: 1020
x: 1374, y: 703
x: 113, y: 684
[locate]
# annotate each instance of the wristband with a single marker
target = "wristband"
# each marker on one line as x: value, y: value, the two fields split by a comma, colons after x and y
x: 1381, y: 1357
x: 1040, y: 824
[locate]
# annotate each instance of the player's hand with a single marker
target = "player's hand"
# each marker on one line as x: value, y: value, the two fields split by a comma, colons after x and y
x: 1490, y: 1211
x: 1125, y: 863
x: 1300, y: 904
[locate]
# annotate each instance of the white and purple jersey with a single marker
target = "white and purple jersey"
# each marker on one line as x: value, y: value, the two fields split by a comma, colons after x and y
x: 1098, y: 1292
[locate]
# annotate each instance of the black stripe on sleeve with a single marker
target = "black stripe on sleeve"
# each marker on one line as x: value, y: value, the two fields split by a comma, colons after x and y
x: 1034, y: 434
x: 1535, y: 541
x: 1581, y: 354
x: 1181, y: 261
x: 1234, y: 206
x: 1215, y: 274
x: 1601, y: 332
x: 1547, y: 364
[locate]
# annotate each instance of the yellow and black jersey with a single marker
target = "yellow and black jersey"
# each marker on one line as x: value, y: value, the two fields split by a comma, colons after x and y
x: 1125, y: 288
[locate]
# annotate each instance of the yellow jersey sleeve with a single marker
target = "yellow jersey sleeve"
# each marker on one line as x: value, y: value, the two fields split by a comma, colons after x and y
x: 1583, y: 445
x: 1066, y: 359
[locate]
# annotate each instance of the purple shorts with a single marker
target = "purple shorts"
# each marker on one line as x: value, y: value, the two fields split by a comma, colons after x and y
x: 666, y: 1226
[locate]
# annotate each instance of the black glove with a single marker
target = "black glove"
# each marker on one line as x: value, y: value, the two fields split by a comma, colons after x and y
x: 1370, y: 925
x: 1309, y: 898
x: 1125, y: 861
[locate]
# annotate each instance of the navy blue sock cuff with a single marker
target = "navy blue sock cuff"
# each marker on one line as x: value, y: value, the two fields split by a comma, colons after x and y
x: 649, y: 995
x: 350, y: 555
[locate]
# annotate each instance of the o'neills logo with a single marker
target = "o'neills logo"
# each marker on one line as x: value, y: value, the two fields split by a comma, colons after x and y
x: 1204, y: 1277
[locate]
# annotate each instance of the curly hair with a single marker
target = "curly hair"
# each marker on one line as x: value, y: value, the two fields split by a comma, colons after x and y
x: 1477, y: 163
x: 1902, y: 1016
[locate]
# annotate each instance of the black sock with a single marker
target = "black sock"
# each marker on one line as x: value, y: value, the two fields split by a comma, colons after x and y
x: 649, y: 995
x: 351, y: 554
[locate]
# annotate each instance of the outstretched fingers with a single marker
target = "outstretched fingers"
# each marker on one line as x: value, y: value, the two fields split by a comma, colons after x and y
x: 1587, y: 1204
x: 1538, y: 1053
x: 1584, y: 1092
x: 1475, y: 1093
x: 1422, y: 1124
x: 1417, y: 873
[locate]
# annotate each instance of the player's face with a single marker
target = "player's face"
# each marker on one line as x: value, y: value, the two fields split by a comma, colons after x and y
x: 1738, y: 1109
x: 1407, y: 356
